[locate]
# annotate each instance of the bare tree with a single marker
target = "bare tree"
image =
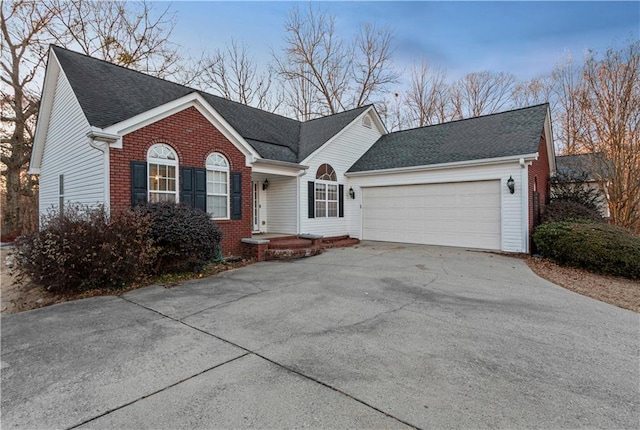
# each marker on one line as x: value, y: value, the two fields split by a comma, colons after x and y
x: 23, y: 50
x: 372, y: 71
x: 427, y: 98
x: 129, y: 34
x: 567, y: 115
x: 392, y: 111
x: 535, y: 91
x: 125, y: 33
x: 232, y: 74
x: 609, y: 100
x: 331, y: 74
x: 481, y: 93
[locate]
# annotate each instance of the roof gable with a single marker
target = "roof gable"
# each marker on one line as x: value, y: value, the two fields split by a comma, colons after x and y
x: 316, y: 132
x: 110, y: 94
x: 511, y: 133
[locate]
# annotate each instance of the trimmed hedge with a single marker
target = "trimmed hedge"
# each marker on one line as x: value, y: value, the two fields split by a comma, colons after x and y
x: 598, y: 247
x: 84, y: 248
x: 187, y: 237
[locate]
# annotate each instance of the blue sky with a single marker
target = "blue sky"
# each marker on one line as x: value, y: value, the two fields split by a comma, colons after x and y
x: 524, y: 38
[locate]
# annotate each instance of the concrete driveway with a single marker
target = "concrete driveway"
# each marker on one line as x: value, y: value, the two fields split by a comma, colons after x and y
x: 377, y: 336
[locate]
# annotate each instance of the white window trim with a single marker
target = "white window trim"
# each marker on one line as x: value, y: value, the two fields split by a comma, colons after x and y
x: 326, y: 199
x: 164, y: 162
x: 227, y: 170
x: 326, y: 183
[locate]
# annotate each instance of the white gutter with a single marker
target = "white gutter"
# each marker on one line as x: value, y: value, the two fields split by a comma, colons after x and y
x: 468, y: 163
x: 97, y: 134
x: 280, y: 163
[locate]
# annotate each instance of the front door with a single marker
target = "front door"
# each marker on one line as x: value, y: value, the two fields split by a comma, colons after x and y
x: 256, y: 205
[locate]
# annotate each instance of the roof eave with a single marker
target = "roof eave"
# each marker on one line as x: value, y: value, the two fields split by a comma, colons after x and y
x: 280, y: 163
x: 193, y: 99
x: 52, y: 70
x: 452, y: 165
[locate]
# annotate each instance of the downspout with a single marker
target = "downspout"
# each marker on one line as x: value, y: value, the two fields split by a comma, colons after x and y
x: 524, y: 181
x: 104, y: 148
x: 101, y: 141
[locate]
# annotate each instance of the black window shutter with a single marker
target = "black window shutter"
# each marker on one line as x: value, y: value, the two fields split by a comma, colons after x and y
x: 187, y: 192
x: 236, y: 195
x: 341, y: 201
x: 200, y: 189
x: 311, y: 198
x: 138, y: 183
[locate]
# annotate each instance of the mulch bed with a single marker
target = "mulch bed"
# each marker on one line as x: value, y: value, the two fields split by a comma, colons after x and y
x: 621, y: 292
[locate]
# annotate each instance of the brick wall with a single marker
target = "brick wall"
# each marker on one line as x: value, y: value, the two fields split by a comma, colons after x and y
x: 193, y: 137
x: 539, y: 179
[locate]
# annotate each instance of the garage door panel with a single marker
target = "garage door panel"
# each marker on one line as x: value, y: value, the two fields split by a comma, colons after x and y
x: 453, y: 214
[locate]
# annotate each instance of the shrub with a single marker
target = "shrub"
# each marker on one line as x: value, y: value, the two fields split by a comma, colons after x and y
x: 187, y: 237
x: 569, y: 210
x: 574, y: 186
x: 84, y: 248
x: 598, y: 247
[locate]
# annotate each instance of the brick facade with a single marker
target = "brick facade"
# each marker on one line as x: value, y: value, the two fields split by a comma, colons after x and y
x: 193, y: 138
x: 539, y: 175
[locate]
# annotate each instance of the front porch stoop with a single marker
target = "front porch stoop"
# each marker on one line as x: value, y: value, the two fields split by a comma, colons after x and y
x: 290, y: 247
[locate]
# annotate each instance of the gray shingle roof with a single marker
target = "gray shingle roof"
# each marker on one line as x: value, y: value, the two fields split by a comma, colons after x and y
x: 515, y: 132
x: 582, y: 166
x: 109, y: 94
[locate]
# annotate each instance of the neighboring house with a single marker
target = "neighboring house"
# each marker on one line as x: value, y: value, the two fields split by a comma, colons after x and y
x: 111, y: 135
x: 584, y: 170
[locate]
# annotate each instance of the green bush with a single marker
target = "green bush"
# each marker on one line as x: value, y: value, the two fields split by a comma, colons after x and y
x: 187, y: 237
x: 569, y: 210
x: 598, y: 247
x: 84, y: 248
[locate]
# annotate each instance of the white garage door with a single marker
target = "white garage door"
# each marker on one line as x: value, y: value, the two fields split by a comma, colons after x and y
x: 465, y: 214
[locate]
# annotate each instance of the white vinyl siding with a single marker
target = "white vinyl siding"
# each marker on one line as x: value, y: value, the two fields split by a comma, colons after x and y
x: 68, y: 152
x: 341, y: 153
x: 463, y: 214
x: 280, y: 200
x: 513, y: 207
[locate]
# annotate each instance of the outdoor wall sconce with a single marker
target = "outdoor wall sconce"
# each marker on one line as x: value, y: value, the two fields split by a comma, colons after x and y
x: 352, y: 193
x: 511, y: 184
x: 265, y: 185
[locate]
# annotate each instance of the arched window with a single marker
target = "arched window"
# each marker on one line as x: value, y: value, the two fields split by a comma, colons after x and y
x: 326, y: 173
x: 162, y: 163
x: 217, y: 186
x: 326, y: 188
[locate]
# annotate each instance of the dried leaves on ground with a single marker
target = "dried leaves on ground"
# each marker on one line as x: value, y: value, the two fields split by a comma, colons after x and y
x: 621, y: 292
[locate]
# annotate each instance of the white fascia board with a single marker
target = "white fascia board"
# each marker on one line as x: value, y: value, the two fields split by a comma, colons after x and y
x: 275, y: 167
x: 381, y: 127
x: 338, y: 134
x: 471, y: 163
x: 193, y: 99
x: 548, y: 135
x: 52, y: 71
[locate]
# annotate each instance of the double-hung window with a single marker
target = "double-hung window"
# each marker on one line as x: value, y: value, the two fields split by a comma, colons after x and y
x: 162, y: 163
x: 217, y: 186
x: 326, y: 192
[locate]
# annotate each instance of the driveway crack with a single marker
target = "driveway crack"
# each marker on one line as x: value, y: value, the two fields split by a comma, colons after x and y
x: 257, y: 354
x: 157, y: 391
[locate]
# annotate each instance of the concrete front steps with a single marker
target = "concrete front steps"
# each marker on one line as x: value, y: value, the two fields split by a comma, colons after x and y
x: 290, y: 247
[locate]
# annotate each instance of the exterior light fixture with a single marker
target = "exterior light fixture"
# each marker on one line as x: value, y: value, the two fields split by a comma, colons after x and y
x: 265, y: 184
x: 511, y: 184
x: 352, y: 193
